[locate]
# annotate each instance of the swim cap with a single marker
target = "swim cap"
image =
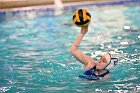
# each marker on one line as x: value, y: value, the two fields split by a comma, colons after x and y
x: 111, y: 61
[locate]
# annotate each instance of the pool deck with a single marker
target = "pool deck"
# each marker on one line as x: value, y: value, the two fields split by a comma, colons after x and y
x: 8, y: 4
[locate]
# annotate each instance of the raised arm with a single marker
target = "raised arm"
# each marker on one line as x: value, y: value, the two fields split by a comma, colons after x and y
x: 84, y: 59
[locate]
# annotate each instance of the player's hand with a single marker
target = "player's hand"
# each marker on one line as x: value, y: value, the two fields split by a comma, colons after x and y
x: 84, y: 29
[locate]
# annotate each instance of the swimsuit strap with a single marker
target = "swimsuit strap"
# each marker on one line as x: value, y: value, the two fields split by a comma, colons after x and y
x: 93, y: 68
x: 102, y: 75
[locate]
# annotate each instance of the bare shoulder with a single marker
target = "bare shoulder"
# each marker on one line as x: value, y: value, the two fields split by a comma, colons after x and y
x: 91, y: 63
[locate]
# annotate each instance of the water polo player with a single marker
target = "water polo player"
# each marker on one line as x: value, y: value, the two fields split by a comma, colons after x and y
x: 92, y: 70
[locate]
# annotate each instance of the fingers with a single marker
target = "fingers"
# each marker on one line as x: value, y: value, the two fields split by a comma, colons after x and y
x: 84, y: 29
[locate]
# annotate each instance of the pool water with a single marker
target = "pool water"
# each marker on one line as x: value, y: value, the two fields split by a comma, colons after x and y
x: 34, y: 55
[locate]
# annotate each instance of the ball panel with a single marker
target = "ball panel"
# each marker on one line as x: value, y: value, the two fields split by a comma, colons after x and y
x: 82, y: 23
x: 88, y: 18
x: 74, y: 17
x: 80, y: 12
x: 88, y: 14
x: 77, y: 16
x: 86, y: 24
x: 84, y: 15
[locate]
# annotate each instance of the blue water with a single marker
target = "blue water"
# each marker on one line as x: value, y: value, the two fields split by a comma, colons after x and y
x: 34, y: 55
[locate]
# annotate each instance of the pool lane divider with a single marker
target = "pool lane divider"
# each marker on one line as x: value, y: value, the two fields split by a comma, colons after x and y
x: 66, y: 7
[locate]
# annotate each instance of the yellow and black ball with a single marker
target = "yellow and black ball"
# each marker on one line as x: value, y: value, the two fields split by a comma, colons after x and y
x: 81, y: 17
